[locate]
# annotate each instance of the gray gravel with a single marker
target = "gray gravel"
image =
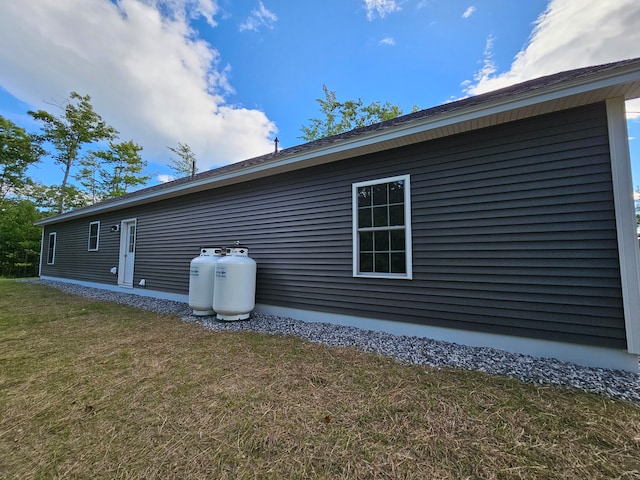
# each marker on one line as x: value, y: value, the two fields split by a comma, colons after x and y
x: 414, y: 350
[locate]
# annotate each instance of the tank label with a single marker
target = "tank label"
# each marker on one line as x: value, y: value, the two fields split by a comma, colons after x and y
x: 221, y: 272
x: 195, y: 272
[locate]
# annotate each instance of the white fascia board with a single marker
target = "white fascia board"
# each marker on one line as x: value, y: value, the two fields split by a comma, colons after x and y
x: 340, y: 148
x: 526, y: 99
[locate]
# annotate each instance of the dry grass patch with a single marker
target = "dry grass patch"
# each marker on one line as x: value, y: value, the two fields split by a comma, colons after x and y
x: 97, y: 390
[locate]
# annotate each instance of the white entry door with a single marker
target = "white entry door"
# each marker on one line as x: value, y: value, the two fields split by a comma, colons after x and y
x: 127, y: 253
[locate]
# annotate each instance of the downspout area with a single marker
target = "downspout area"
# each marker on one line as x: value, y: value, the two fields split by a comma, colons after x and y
x: 628, y: 249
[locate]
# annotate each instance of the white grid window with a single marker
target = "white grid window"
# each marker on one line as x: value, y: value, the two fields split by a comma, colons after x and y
x: 382, y: 228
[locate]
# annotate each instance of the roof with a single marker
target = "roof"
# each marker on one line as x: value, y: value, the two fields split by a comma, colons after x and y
x: 546, y: 94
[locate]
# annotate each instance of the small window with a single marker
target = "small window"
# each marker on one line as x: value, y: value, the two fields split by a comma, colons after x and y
x: 382, y: 228
x: 51, y: 251
x: 94, y: 236
x: 132, y: 238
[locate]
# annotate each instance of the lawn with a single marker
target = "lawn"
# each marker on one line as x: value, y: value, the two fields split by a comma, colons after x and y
x: 92, y: 389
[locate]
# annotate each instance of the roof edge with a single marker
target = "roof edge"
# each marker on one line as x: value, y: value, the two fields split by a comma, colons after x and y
x: 337, y: 147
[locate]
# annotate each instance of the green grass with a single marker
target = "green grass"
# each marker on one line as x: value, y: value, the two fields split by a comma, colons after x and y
x: 97, y: 390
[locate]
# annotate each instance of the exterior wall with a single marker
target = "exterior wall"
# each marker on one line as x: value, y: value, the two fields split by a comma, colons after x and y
x: 513, y: 233
x: 73, y: 260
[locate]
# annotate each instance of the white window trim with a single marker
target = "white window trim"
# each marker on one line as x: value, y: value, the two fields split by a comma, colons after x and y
x: 49, y: 249
x: 407, y: 223
x: 97, y: 237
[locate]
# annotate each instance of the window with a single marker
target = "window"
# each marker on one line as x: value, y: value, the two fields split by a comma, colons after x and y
x: 51, y: 252
x: 382, y: 228
x: 132, y: 239
x: 94, y: 234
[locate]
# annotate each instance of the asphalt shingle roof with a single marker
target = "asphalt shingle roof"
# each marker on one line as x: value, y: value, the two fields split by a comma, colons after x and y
x: 530, y: 86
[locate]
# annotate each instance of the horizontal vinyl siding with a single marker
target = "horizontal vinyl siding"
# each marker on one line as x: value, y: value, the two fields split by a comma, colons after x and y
x: 73, y: 260
x: 526, y: 241
x: 293, y: 222
x: 513, y: 233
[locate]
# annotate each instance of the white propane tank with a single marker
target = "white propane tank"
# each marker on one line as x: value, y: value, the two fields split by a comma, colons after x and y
x: 234, y: 292
x: 202, y: 275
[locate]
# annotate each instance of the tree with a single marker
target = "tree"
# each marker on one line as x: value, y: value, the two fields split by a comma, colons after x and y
x: 341, y: 117
x: 77, y: 127
x: 116, y: 170
x: 89, y: 177
x: 18, y: 150
x: 185, y: 164
x: 45, y: 198
x: 19, y: 238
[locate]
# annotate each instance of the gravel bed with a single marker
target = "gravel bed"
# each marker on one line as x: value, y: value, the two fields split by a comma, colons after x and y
x: 407, y: 349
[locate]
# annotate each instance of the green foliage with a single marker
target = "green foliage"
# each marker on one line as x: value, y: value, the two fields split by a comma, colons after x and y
x: 18, y: 150
x: 19, y: 238
x: 46, y: 197
x: 89, y: 177
x: 112, y: 172
x: 184, y: 165
x: 78, y: 126
x: 70, y: 134
x: 341, y: 117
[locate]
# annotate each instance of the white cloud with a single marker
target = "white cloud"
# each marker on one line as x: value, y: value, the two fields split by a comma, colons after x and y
x: 164, y: 178
x: 488, y: 65
x: 468, y: 12
x: 387, y: 41
x: 187, y: 9
x: 260, y: 17
x: 148, y: 73
x: 380, y: 7
x: 567, y: 35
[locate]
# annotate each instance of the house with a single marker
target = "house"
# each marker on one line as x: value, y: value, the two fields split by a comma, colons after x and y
x: 502, y: 220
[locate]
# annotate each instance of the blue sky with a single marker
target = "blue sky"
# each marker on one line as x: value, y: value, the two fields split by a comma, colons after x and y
x: 227, y: 77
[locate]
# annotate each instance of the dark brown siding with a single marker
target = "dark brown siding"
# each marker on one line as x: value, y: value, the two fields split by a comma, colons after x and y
x: 513, y: 233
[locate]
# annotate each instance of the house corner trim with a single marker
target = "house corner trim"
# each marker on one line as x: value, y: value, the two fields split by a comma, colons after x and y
x: 628, y: 251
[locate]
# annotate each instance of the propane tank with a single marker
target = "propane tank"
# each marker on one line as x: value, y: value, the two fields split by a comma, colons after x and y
x: 202, y: 274
x: 234, y: 292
